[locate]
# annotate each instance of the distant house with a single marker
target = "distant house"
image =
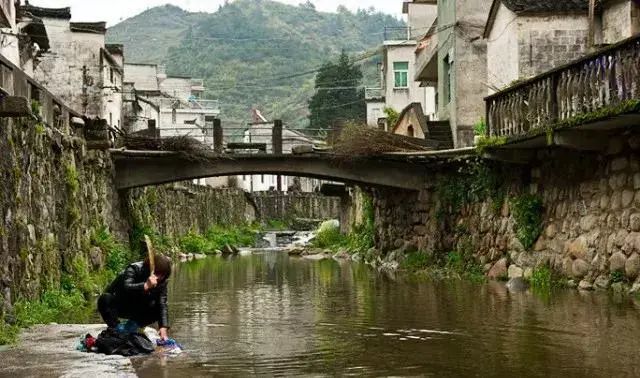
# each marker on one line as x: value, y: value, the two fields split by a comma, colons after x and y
x: 167, y: 105
x: 453, y: 58
x: 78, y: 67
x: 397, y: 88
x: 528, y: 37
x: 413, y: 123
x: 260, y: 131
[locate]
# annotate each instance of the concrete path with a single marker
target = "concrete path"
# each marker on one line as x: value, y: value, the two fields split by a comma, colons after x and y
x: 49, y: 351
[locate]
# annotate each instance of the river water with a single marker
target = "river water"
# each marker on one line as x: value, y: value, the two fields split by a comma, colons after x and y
x: 274, y: 315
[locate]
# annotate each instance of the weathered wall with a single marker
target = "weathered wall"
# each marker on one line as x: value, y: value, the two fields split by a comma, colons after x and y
x: 61, y: 68
x: 54, y: 194
x: 282, y: 205
x: 502, y: 50
x: 175, y: 209
x: 548, y: 42
x: 591, y: 216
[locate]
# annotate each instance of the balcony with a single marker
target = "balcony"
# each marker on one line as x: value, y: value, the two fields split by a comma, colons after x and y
x: 397, y: 33
x: 427, y: 59
x: 374, y: 94
x: 195, y: 105
x: 597, y: 90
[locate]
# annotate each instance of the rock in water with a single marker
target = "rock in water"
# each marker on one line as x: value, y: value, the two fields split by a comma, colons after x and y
x: 517, y: 284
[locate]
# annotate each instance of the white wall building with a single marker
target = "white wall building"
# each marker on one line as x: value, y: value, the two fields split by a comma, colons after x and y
x: 78, y: 67
x: 262, y: 133
x: 397, y: 88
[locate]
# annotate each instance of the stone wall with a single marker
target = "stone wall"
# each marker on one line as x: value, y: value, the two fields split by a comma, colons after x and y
x: 54, y: 194
x: 285, y: 205
x: 590, y: 218
x: 175, y: 209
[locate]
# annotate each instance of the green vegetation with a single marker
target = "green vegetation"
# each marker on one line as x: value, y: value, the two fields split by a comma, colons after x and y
x: 283, y: 41
x: 217, y: 237
x: 527, y: 212
x: 453, y: 265
x: 331, y: 107
x: 618, y: 276
x: 487, y: 142
x: 360, y: 239
x: 277, y: 225
x: 480, y: 128
x: 475, y: 180
x: 392, y: 116
x: 541, y: 279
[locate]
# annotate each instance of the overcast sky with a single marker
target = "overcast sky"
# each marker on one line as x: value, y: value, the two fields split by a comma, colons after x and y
x: 114, y: 11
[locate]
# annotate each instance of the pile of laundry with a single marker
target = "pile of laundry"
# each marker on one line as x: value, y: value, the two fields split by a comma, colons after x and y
x: 128, y: 340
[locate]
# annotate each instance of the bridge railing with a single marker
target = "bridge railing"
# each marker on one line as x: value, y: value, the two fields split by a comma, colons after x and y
x: 271, y: 138
x: 604, y: 79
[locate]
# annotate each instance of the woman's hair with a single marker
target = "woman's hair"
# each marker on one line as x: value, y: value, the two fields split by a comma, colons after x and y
x: 163, y: 266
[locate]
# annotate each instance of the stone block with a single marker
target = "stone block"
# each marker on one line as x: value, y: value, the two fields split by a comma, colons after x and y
x: 602, y: 282
x: 577, y: 249
x: 499, y: 269
x: 585, y: 285
x: 636, y: 181
x: 551, y: 231
x: 515, y: 271
x: 634, y: 222
x: 617, y: 262
x: 579, y: 268
x: 632, y: 266
x: 588, y: 222
x: 627, y: 198
x: 619, y: 164
x: 616, y: 201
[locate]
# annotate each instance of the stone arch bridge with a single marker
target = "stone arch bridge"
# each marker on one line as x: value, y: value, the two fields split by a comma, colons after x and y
x: 144, y: 168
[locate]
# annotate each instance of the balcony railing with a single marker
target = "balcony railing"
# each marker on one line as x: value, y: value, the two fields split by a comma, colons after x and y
x: 397, y: 33
x: 373, y: 93
x: 601, y: 80
x: 196, y: 104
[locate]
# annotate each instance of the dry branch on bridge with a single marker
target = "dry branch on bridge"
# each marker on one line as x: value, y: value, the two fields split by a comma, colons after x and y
x: 185, y: 145
x: 361, y: 141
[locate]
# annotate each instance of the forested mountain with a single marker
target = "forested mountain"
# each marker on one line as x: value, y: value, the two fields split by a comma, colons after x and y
x: 253, y: 52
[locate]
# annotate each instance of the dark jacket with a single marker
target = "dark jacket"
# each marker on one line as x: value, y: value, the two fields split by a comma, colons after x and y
x: 132, y: 300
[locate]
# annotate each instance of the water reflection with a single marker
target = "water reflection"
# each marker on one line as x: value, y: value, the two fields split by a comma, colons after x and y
x: 269, y: 314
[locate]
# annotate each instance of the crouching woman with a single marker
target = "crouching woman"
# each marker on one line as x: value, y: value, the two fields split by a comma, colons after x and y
x: 138, y: 295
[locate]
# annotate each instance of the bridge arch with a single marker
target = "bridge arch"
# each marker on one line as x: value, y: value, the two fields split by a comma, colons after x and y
x: 145, y: 168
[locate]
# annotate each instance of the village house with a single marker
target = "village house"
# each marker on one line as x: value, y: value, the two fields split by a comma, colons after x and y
x: 166, y: 106
x: 23, y: 36
x: 452, y: 57
x: 397, y: 90
x: 260, y: 133
x: 527, y: 38
x: 78, y: 67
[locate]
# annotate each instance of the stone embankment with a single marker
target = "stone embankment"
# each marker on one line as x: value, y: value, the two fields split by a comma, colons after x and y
x: 579, y: 213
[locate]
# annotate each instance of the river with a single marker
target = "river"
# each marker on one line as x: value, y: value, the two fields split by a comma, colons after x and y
x: 275, y: 315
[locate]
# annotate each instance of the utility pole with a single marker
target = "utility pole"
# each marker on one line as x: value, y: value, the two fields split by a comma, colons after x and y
x: 592, y: 24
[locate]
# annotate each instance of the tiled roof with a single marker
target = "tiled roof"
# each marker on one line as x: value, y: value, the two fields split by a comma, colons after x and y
x: 63, y: 13
x: 89, y: 27
x: 546, y: 6
x: 538, y: 7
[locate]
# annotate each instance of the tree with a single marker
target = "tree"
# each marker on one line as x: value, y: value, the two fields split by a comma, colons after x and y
x: 339, y: 97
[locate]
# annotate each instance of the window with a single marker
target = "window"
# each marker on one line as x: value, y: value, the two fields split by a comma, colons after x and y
x: 410, y: 131
x: 401, y: 74
x: 111, y: 74
x: 448, y: 76
x: 174, y: 116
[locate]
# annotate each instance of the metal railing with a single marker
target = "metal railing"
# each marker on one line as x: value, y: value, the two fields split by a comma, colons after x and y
x: 374, y: 93
x: 604, y: 79
x: 397, y: 33
x: 195, y: 104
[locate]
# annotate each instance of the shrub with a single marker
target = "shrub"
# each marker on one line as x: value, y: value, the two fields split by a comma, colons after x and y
x: 527, y: 212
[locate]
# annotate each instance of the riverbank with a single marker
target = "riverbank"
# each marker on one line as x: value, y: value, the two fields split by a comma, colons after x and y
x: 49, y: 351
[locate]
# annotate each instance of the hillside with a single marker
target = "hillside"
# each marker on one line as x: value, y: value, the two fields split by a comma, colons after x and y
x: 252, y: 52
